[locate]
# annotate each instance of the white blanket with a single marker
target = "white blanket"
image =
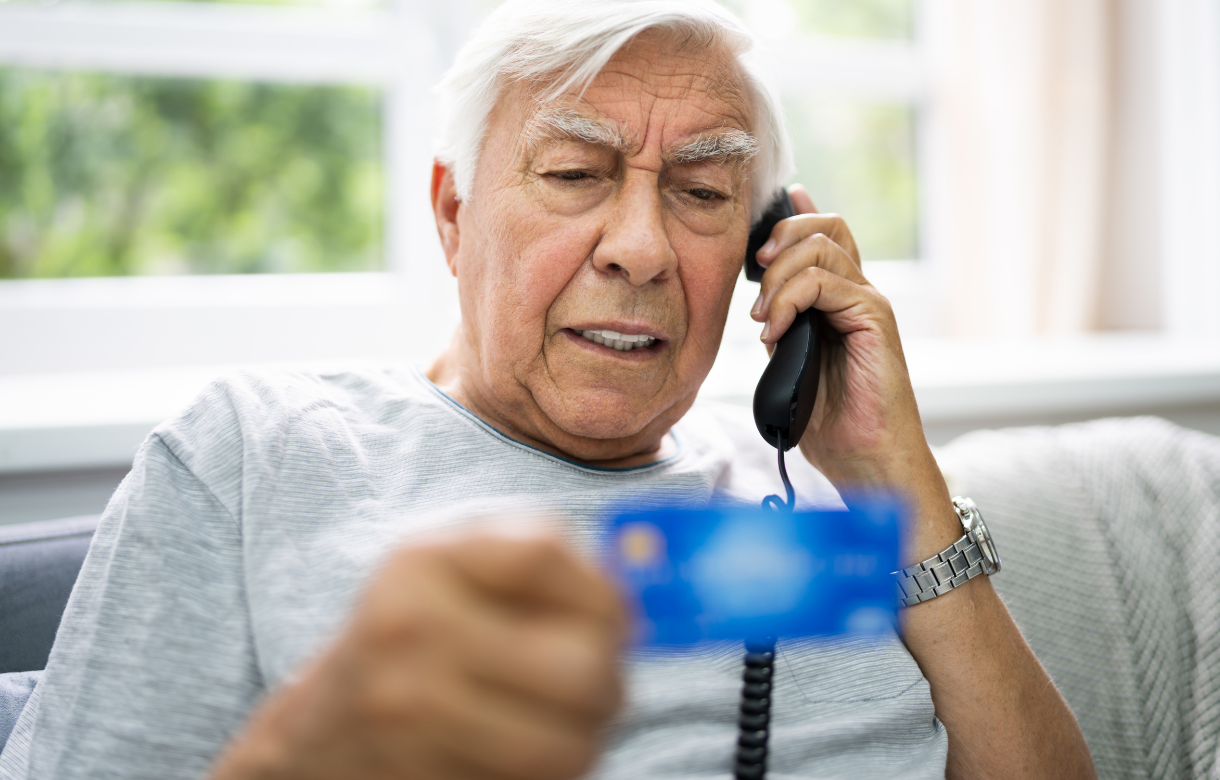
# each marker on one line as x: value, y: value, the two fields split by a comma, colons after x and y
x: 1110, y: 538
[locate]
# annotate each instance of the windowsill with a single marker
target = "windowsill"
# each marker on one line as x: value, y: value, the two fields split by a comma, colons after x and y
x: 62, y: 421
x: 212, y: 291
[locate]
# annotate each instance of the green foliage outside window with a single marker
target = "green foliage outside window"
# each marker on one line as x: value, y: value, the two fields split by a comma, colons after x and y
x: 858, y: 160
x: 106, y: 175
x: 857, y: 18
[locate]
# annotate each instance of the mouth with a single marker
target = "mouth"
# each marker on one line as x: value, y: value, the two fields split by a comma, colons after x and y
x: 623, y: 342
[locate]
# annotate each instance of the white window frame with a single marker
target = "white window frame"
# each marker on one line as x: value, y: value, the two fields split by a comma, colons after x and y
x: 60, y: 328
x: 395, y: 50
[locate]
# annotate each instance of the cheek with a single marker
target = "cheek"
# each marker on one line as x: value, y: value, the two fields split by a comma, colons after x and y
x: 709, y: 289
x: 524, y: 268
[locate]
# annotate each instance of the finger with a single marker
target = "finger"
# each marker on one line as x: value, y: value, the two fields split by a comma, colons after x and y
x: 567, y: 656
x: 793, y: 230
x: 427, y: 584
x: 509, y: 736
x: 563, y: 661
x: 540, y: 570
x: 569, y: 664
x: 802, y: 200
x: 814, y: 251
x: 848, y: 306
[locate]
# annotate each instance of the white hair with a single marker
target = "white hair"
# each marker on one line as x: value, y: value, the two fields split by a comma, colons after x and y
x: 561, y: 45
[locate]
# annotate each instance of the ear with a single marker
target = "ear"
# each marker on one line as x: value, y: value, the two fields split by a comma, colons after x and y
x: 445, y: 205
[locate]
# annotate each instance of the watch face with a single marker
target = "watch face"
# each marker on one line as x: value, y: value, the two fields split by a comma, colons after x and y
x: 983, y: 537
x: 972, y: 520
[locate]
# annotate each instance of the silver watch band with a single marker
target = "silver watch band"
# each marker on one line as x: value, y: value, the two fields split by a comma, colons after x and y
x: 953, y: 566
x: 941, y: 573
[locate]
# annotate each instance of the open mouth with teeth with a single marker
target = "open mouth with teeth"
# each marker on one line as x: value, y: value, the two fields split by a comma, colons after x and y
x: 623, y: 342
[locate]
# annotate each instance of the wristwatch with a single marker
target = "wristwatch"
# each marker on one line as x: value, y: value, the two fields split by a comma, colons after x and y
x: 968, y: 557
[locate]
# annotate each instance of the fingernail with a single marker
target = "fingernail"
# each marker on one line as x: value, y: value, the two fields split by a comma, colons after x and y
x: 754, y: 312
x: 767, y: 247
x: 766, y: 330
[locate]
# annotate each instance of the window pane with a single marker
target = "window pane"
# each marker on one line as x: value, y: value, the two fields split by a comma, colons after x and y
x: 860, y: 18
x: 858, y: 160
x: 106, y: 175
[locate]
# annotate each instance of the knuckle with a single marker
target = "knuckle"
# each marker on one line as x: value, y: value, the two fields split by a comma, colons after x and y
x: 420, y: 621
x: 391, y: 625
x: 821, y: 242
x: 883, y: 304
x: 531, y: 556
x: 769, y: 288
x: 380, y: 703
x: 814, y: 274
x: 397, y: 695
x: 788, y: 230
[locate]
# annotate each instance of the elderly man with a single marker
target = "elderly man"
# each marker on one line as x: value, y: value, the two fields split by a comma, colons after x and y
x: 283, y: 587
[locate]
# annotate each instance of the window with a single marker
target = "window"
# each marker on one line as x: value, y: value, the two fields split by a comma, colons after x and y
x: 858, y: 159
x: 281, y: 149
x: 851, y: 77
x: 853, y: 108
x: 115, y: 175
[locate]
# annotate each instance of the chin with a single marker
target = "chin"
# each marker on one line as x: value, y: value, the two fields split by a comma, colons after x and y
x: 601, y: 414
x: 608, y: 416
x: 606, y: 424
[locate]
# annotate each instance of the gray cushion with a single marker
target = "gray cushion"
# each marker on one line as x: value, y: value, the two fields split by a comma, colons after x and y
x: 38, y: 567
x: 15, y: 690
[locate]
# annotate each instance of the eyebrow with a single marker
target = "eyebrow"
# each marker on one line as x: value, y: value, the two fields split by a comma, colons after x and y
x: 729, y: 144
x: 565, y: 124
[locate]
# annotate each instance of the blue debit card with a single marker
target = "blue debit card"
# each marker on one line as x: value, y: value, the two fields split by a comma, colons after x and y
x: 732, y: 572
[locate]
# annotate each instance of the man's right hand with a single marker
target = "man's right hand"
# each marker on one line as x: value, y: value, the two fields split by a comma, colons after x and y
x: 482, y: 657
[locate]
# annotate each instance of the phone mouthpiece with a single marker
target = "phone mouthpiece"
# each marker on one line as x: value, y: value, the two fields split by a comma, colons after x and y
x: 783, y: 402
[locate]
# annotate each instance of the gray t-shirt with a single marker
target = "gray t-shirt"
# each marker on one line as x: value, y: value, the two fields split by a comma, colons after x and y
x: 235, y: 548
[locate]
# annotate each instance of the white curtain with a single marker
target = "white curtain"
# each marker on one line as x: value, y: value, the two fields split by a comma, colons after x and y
x: 1021, y: 108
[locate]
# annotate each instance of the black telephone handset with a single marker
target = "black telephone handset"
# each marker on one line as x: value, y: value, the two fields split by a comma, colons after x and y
x: 783, y: 401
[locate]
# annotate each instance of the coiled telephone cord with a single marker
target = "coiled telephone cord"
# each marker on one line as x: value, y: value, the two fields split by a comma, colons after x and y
x: 754, y: 721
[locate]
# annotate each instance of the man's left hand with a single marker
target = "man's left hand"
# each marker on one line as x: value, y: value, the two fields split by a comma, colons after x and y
x: 1003, y: 714
x: 865, y: 431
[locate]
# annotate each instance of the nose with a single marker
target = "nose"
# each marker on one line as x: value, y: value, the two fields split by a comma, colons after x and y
x: 635, y: 242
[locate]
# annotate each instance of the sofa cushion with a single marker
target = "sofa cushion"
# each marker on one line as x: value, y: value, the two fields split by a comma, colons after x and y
x: 15, y: 691
x: 1109, y: 532
x: 38, y: 567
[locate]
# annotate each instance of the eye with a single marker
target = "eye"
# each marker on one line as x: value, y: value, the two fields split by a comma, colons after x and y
x: 703, y: 194
x: 571, y: 175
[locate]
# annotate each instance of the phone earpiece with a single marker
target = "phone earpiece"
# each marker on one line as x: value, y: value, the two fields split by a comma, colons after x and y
x: 781, y: 208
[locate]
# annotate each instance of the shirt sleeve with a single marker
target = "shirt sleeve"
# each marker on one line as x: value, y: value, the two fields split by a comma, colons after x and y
x: 154, y: 668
